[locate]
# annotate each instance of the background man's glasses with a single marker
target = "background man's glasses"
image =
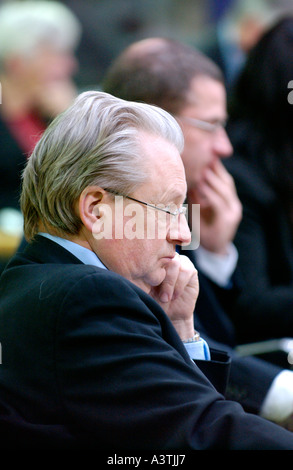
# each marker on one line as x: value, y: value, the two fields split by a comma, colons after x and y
x: 204, y: 125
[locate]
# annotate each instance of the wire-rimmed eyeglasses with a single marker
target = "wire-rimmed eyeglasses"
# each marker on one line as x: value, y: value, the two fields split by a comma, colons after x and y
x: 204, y: 125
x: 179, y: 211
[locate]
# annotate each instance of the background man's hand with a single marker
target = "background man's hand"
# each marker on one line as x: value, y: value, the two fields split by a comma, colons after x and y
x: 220, y: 208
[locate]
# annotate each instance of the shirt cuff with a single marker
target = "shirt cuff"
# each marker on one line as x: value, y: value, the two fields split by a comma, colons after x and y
x: 278, y: 404
x: 198, y: 350
x: 218, y: 268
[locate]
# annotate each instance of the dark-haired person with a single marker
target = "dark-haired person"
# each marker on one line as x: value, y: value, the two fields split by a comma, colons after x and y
x: 260, y: 128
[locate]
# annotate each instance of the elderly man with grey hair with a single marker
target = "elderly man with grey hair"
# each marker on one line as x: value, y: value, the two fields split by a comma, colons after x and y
x: 96, y: 325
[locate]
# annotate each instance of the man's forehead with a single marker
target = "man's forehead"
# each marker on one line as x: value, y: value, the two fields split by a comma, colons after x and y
x: 158, y: 150
x: 163, y: 163
x: 204, y: 89
x: 168, y: 180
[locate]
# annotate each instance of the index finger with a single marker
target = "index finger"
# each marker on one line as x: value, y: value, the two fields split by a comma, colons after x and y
x: 166, y: 288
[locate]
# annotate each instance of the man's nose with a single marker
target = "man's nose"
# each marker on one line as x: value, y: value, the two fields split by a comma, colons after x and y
x: 179, y: 231
x: 222, y: 145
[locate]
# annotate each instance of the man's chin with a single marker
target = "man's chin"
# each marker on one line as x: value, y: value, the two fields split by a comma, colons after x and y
x: 154, y: 280
x: 158, y: 277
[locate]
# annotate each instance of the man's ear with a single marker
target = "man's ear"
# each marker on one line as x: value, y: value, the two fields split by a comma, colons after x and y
x: 88, y: 206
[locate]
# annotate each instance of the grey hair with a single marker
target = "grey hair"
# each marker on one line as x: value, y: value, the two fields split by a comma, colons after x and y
x: 95, y: 142
x: 25, y: 25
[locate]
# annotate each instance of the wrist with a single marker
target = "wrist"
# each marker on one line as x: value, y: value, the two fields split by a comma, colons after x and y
x: 192, y: 339
x: 185, y: 329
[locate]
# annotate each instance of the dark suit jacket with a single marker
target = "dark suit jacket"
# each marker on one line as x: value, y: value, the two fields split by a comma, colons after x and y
x: 91, y: 361
x: 264, y: 309
x: 250, y: 377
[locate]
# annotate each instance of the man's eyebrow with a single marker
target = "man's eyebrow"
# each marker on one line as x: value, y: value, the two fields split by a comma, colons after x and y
x: 175, y: 196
